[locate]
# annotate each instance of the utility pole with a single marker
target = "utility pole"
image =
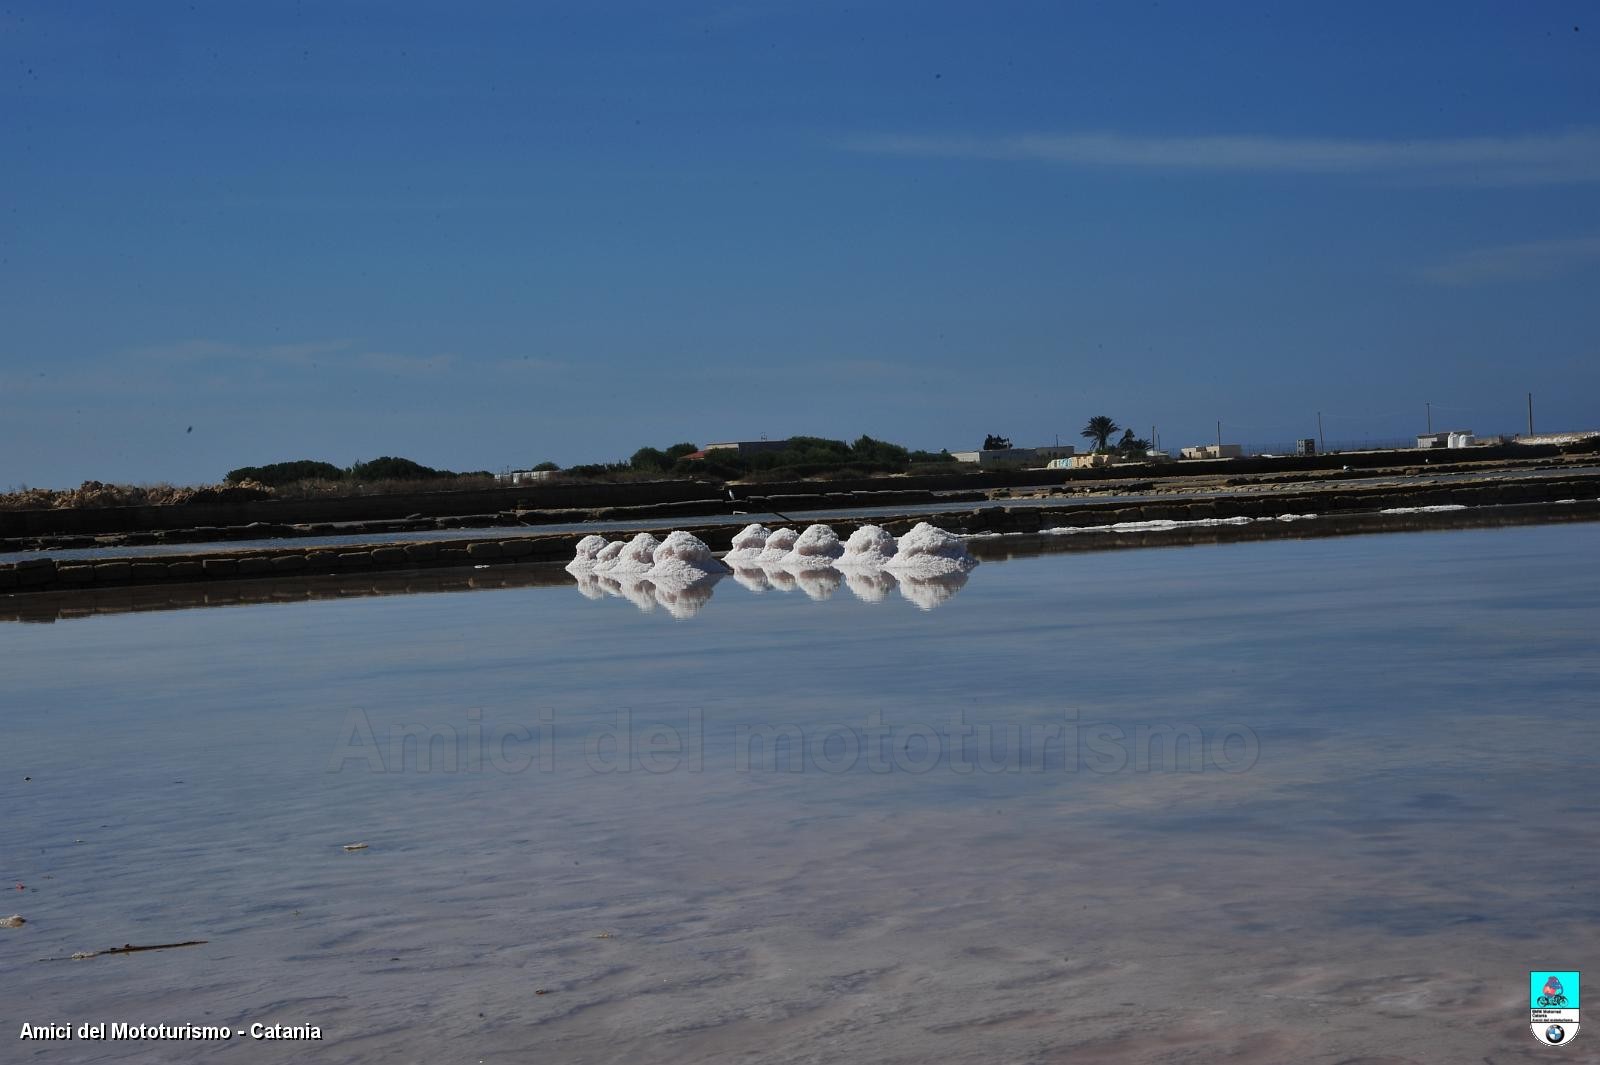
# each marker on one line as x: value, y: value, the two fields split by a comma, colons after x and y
x: 1219, y: 436
x: 1430, y: 419
x: 1530, y: 413
x: 1322, y: 445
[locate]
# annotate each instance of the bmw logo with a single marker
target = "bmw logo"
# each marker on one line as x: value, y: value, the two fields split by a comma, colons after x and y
x: 1554, y: 1034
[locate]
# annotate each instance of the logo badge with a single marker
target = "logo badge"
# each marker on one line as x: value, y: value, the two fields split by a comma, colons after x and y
x: 1553, y: 1005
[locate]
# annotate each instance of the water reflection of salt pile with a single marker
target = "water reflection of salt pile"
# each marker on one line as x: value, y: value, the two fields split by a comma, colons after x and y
x: 779, y: 578
x: 818, y: 582
x: 929, y: 551
x: 632, y: 587
x: 684, y: 558
x: 779, y: 543
x: 870, y: 584
x: 930, y: 592
x: 816, y: 548
x: 748, y: 544
x: 589, y: 583
x: 752, y: 577
x: 869, y: 546
x: 684, y: 598
x: 588, y: 549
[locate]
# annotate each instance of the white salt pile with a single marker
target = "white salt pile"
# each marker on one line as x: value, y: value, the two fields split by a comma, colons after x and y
x: 588, y: 549
x: 816, y: 548
x: 869, y: 546
x: 779, y: 543
x: 608, y: 556
x: 636, y: 557
x: 928, y: 551
x: 748, y: 544
x: 684, y: 558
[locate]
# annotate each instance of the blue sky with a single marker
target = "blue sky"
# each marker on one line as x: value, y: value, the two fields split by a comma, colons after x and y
x: 560, y: 231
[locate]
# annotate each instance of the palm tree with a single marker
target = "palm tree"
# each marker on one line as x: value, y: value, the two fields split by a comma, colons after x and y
x: 1099, y: 430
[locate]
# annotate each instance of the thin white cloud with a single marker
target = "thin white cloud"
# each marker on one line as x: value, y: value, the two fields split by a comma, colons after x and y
x: 1542, y: 159
x: 1530, y: 261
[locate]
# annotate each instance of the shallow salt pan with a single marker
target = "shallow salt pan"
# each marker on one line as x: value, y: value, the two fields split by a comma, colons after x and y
x: 816, y: 548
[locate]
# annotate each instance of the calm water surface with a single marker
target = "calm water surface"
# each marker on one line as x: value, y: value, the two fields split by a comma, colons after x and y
x: 1383, y: 815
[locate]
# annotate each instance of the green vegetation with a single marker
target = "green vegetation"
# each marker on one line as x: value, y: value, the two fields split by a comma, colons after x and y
x: 994, y: 442
x: 386, y: 468
x: 799, y: 456
x: 279, y: 473
x: 1132, y: 446
x: 1099, y: 430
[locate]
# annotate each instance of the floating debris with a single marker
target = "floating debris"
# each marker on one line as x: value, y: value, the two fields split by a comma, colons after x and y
x: 603, y: 935
x: 16, y: 920
x: 355, y: 846
x: 129, y: 948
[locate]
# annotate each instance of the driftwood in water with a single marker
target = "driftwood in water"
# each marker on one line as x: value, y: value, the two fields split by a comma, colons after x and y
x: 128, y: 948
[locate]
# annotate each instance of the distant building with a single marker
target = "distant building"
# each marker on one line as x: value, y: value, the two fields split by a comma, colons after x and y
x: 1014, y: 456
x: 516, y: 477
x: 1427, y: 440
x: 1213, y: 451
x: 744, y: 447
x: 1081, y: 462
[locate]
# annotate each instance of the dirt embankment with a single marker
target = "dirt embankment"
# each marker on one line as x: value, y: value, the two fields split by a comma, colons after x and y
x: 1555, y: 497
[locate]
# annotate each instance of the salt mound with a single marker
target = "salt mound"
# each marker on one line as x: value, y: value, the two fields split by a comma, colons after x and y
x: 870, y: 545
x: 816, y: 548
x: 608, y: 556
x: 588, y: 549
x: 931, y: 592
x: 683, y: 557
x: 748, y: 544
x: 636, y: 557
x: 928, y: 551
x: 778, y: 544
